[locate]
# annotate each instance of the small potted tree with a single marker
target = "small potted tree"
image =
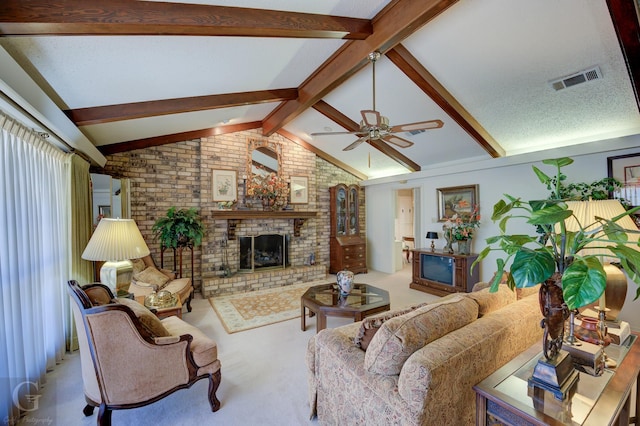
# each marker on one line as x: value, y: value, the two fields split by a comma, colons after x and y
x: 179, y: 228
x: 558, y: 259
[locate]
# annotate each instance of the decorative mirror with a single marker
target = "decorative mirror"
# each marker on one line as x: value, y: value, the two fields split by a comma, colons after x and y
x: 264, y: 157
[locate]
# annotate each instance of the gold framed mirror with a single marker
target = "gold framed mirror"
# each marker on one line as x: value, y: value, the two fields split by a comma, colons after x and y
x: 263, y: 157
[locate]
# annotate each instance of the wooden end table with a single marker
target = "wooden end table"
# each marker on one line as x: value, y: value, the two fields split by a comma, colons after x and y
x: 504, y: 398
x: 325, y: 300
x: 164, y: 312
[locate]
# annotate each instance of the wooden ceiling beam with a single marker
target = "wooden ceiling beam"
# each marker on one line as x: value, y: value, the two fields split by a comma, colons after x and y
x: 393, y: 24
x: 176, y: 137
x: 126, y: 17
x: 351, y: 126
x: 293, y: 138
x: 111, y: 113
x: 417, y: 73
x: 625, y: 18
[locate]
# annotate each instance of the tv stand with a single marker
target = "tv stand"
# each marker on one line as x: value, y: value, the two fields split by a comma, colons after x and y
x: 463, y: 279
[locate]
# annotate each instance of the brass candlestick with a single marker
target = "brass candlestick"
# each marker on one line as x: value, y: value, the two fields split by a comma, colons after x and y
x: 602, y: 332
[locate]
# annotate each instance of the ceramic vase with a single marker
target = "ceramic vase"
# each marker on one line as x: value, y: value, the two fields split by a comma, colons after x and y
x: 464, y: 246
x: 588, y: 331
x: 268, y: 203
x: 345, y: 282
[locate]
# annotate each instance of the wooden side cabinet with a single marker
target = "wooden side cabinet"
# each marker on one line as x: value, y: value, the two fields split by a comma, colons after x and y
x: 443, y: 273
x: 348, y: 248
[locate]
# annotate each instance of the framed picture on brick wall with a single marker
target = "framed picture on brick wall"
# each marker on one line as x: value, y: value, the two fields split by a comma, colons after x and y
x: 224, y: 185
x: 299, y: 190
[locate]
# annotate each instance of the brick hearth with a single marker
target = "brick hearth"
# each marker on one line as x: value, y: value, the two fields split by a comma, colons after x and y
x: 243, y: 282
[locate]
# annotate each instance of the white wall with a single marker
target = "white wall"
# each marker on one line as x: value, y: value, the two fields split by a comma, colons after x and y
x: 495, y: 177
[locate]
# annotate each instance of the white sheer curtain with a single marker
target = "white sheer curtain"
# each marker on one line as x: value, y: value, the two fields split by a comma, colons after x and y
x: 34, y: 262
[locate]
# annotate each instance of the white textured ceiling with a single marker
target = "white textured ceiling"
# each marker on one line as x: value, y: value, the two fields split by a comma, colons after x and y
x: 496, y: 57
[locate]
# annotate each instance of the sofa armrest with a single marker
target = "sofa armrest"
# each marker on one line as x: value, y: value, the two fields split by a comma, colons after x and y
x: 139, y: 288
x: 166, y: 340
x: 343, y: 381
x: 168, y: 273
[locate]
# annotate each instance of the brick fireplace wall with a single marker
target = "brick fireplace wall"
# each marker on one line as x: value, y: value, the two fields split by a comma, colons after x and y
x: 180, y: 174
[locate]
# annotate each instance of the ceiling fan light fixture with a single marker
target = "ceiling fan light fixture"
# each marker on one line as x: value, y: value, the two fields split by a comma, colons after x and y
x: 375, y: 126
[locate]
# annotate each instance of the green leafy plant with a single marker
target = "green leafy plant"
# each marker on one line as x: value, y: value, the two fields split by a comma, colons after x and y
x: 536, y: 260
x: 596, y: 190
x: 179, y: 228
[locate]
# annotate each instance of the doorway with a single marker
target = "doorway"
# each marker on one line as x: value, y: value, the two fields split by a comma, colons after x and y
x: 405, y: 226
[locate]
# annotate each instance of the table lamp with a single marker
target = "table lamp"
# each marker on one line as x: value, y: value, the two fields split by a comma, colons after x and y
x: 586, y: 212
x: 116, y: 241
x: 431, y: 235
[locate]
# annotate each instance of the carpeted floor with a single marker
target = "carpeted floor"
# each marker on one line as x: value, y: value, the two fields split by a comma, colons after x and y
x: 244, y: 311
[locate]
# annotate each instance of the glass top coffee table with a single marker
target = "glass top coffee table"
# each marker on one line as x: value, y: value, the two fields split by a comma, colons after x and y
x: 325, y: 300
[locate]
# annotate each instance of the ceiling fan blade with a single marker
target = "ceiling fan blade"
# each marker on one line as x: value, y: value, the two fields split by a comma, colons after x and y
x: 370, y: 117
x: 356, y: 143
x: 421, y: 125
x: 358, y: 132
x: 398, y: 141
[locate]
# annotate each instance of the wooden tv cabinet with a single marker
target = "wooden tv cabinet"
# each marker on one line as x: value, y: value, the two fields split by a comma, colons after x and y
x: 464, y: 280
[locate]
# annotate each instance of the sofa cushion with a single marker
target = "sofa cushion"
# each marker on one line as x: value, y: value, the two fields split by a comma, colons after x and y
x: 204, y: 350
x: 370, y: 325
x: 401, y: 336
x: 527, y: 291
x: 146, y: 317
x: 489, y: 302
x: 152, y: 276
x: 138, y: 265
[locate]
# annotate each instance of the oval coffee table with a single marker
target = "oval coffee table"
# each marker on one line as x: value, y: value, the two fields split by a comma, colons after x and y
x: 325, y: 300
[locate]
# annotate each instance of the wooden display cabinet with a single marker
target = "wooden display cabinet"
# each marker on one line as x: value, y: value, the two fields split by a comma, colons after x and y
x: 348, y: 248
x: 443, y: 273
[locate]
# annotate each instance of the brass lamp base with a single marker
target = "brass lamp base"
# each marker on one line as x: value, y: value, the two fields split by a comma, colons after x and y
x: 555, y: 375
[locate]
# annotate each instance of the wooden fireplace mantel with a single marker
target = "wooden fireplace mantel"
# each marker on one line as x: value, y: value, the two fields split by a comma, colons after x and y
x: 234, y: 217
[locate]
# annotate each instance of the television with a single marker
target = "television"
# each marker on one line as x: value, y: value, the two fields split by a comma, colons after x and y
x: 438, y: 269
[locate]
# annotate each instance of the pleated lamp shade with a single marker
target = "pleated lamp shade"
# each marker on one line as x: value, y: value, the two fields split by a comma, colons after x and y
x: 114, y: 240
x: 587, y: 211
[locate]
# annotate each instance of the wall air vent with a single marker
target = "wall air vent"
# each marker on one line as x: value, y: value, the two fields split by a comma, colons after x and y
x: 576, y: 78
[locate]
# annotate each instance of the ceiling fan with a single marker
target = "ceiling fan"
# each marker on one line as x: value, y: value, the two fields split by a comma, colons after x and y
x: 375, y: 126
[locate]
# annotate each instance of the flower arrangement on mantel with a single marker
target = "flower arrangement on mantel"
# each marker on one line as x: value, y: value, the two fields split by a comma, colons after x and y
x: 462, y: 226
x: 268, y: 187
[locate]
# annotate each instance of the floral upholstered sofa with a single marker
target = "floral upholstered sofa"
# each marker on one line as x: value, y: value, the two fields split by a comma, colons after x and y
x: 421, y: 363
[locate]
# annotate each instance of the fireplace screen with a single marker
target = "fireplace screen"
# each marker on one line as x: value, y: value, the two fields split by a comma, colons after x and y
x: 264, y: 251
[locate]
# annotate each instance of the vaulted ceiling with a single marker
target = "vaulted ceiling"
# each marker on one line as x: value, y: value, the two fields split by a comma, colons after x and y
x: 132, y: 74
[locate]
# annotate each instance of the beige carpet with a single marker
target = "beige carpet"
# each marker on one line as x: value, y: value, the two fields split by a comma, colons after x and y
x: 244, y: 311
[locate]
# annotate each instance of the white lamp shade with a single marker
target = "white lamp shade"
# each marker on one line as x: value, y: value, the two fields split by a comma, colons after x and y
x: 586, y: 213
x: 115, y: 240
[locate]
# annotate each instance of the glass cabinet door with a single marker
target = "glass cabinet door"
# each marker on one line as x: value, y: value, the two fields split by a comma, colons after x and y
x: 353, y: 210
x: 341, y: 211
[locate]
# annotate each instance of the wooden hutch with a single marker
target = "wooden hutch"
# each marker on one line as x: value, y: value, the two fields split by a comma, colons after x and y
x: 348, y: 248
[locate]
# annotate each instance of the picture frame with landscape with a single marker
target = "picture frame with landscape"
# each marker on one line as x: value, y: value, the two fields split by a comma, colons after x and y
x: 224, y: 185
x: 457, y: 200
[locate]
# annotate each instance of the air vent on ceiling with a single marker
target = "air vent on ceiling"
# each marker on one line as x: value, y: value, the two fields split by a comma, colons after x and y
x: 577, y: 78
x: 416, y: 132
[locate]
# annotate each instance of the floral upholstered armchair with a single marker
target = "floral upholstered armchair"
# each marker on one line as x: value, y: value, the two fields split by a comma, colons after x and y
x: 112, y: 332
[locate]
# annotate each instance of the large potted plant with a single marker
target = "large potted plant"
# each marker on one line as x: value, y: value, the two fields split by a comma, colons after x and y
x: 179, y: 228
x: 557, y: 259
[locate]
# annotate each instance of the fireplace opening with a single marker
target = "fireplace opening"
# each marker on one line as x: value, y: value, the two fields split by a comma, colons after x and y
x: 266, y: 251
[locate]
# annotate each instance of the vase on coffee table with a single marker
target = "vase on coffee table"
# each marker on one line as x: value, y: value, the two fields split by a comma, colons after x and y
x: 345, y: 282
